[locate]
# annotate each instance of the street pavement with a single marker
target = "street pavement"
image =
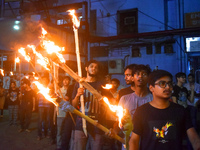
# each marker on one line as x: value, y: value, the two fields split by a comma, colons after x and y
x: 11, y: 139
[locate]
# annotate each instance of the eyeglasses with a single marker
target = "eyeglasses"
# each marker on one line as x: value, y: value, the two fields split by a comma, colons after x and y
x: 163, y: 84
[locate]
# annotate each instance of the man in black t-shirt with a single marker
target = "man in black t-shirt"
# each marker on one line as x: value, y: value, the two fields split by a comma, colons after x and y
x: 161, y: 124
x: 27, y: 105
x: 128, y: 72
x: 180, y: 94
x: 93, y: 108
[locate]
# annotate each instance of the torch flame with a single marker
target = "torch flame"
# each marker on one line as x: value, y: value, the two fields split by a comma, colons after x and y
x: 43, y: 61
x: 51, y: 47
x: 44, y: 91
x: 118, y: 109
x: 17, y: 60
x: 75, y: 21
x: 23, y: 52
x: 107, y: 86
x: 2, y: 72
x: 11, y: 73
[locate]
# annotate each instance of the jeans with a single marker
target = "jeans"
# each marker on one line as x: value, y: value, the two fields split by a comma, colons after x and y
x: 60, y: 124
x: 80, y: 141
x: 13, y: 114
x: 68, y: 127
x: 45, y: 121
x: 25, y: 114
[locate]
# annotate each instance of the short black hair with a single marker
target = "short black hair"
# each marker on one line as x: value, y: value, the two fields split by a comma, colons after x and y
x: 26, y: 81
x: 116, y: 80
x: 67, y: 77
x: 192, y: 75
x: 90, y: 62
x: 142, y: 67
x: 157, y: 74
x: 180, y: 74
x: 131, y: 67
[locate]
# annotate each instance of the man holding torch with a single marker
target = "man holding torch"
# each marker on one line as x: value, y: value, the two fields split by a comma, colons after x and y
x: 161, y: 124
x: 93, y: 108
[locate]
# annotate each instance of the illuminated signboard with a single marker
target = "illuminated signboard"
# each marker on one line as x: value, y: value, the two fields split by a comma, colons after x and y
x: 193, y: 44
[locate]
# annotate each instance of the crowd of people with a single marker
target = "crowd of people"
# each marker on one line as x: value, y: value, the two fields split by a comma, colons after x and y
x: 160, y: 112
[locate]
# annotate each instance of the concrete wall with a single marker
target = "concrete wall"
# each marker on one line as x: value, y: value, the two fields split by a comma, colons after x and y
x: 152, y: 16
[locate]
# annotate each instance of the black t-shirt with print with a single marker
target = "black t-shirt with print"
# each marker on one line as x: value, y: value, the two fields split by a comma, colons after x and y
x: 93, y: 108
x: 13, y: 97
x: 161, y: 129
x: 181, y: 93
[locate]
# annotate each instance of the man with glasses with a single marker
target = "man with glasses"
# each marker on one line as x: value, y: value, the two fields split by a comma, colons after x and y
x: 141, y: 95
x: 161, y: 124
x: 180, y: 93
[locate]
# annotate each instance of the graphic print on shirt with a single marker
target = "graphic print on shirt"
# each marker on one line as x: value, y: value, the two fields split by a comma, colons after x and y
x: 13, y: 96
x: 160, y: 133
x: 92, y: 107
x: 163, y: 131
x: 182, y: 96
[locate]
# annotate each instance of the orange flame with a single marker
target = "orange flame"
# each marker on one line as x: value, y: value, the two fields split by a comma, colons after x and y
x: 26, y: 77
x: 2, y: 72
x: 23, y: 52
x: 17, y: 60
x: 44, y: 91
x: 43, y: 61
x: 11, y: 73
x: 118, y: 109
x: 51, y: 47
x: 75, y: 21
x: 107, y: 86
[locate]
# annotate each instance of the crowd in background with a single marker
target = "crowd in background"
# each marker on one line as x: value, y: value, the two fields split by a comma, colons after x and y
x: 64, y: 129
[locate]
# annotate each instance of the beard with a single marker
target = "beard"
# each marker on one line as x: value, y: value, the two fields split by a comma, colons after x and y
x: 92, y: 75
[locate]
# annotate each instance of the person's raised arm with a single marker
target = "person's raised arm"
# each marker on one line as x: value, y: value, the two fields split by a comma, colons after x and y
x: 194, y: 138
x: 134, y: 142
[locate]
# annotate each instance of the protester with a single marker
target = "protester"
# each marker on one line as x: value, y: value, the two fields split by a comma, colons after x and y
x: 27, y: 105
x: 2, y: 99
x: 13, y: 103
x: 180, y: 93
x: 141, y: 95
x: 69, y: 123
x: 128, y: 72
x: 61, y: 115
x: 110, y: 115
x: 93, y: 108
x: 45, y: 113
x: 192, y: 86
x: 161, y: 124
